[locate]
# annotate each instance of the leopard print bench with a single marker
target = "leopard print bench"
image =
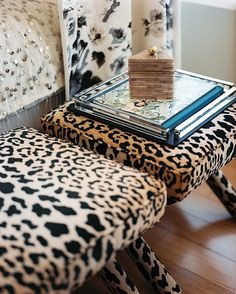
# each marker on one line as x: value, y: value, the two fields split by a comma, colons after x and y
x: 182, y: 168
x: 65, y: 212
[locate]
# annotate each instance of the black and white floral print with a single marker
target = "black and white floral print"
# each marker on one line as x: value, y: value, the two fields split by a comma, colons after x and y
x: 169, y: 25
x: 152, y: 24
x: 99, y: 35
x: 97, y: 40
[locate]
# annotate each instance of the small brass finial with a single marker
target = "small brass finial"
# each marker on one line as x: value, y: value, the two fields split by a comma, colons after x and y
x: 152, y: 50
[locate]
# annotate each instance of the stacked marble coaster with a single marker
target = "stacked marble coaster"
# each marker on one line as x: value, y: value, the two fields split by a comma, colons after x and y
x: 151, y: 76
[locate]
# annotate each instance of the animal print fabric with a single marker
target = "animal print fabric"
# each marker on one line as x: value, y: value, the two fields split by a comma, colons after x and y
x: 151, y: 268
x: 117, y: 280
x: 64, y: 212
x: 224, y: 191
x: 182, y: 168
x: 98, y: 37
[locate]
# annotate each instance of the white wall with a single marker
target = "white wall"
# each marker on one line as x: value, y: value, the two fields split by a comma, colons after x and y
x: 209, y: 39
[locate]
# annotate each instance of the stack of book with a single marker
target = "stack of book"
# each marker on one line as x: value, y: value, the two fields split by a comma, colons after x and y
x: 196, y: 100
x: 151, y: 76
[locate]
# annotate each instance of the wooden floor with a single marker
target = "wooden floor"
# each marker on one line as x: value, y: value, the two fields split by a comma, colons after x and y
x: 196, y: 240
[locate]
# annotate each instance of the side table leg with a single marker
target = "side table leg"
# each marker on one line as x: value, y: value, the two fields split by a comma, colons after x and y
x: 224, y: 191
x: 151, y: 268
x: 117, y: 280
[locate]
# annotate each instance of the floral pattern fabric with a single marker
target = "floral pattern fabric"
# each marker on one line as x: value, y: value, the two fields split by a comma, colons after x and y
x: 152, y: 24
x: 98, y: 37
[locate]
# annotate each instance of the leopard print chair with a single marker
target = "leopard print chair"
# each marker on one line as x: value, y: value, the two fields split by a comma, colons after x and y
x: 183, y: 168
x: 65, y: 212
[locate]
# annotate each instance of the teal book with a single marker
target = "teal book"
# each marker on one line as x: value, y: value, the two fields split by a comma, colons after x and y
x: 193, y: 107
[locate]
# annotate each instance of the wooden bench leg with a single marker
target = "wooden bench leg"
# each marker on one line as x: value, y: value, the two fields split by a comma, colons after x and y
x: 224, y: 190
x: 151, y: 268
x: 117, y: 280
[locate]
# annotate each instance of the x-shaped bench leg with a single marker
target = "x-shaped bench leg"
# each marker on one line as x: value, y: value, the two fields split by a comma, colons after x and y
x: 224, y: 190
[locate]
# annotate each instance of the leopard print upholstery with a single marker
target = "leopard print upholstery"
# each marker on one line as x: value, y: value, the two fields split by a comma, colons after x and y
x: 182, y: 168
x: 117, y: 280
x: 65, y: 212
x: 148, y: 264
x: 224, y: 190
x: 151, y: 268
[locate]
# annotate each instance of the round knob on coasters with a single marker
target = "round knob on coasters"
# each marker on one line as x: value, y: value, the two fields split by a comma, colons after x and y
x: 152, y: 50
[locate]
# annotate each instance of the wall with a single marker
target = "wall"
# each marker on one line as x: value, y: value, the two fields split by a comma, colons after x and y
x: 209, y: 39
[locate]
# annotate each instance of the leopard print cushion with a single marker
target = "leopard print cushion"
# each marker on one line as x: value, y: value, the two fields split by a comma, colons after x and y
x: 182, y: 168
x: 64, y: 212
